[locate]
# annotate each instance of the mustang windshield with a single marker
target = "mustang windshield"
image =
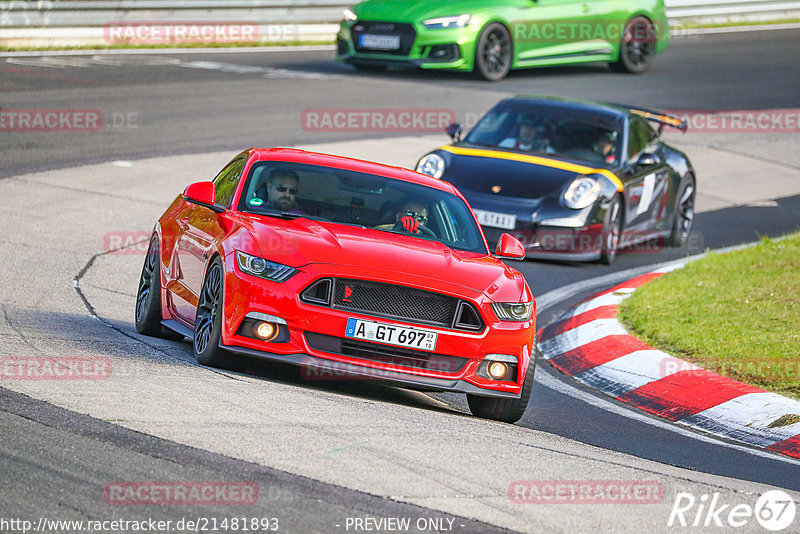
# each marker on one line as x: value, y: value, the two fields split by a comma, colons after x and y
x: 292, y: 190
x: 545, y: 131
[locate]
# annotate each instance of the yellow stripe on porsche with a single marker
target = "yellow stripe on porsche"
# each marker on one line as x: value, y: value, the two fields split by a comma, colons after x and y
x: 536, y: 160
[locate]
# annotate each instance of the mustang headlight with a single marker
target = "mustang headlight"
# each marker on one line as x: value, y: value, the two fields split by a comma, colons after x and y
x: 439, y: 23
x: 432, y: 165
x: 262, y: 268
x: 513, y: 311
x: 582, y: 192
x: 349, y: 16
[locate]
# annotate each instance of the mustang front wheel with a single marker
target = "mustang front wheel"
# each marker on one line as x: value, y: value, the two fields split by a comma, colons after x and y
x: 493, y: 53
x: 506, y: 410
x: 208, y: 322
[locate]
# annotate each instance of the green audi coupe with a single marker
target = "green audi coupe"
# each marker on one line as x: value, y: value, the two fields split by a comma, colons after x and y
x: 491, y: 37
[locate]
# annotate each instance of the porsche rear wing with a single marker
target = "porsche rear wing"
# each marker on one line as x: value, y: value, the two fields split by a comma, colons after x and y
x: 662, y: 119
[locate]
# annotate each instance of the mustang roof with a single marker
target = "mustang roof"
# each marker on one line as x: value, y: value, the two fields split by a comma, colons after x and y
x: 340, y: 162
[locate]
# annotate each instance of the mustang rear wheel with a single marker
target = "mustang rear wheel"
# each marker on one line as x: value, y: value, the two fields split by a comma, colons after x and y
x: 493, y: 53
x: 637, y: 48
x: 506, y: 410
x: 208, y: 322
x: 612, y: 230
x: 148, y: 296
x: 684, y: 214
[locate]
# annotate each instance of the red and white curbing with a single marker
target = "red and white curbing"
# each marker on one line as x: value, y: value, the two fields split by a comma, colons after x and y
x: 589, y: 344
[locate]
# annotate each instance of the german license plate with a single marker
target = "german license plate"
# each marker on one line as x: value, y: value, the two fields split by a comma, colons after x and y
x: 379, y: 42
x: 391, y: 334
x: 496, y: 220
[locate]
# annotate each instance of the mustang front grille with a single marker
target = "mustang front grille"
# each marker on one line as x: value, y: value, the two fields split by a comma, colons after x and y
x: 395, y: 302
x: 374, y: 352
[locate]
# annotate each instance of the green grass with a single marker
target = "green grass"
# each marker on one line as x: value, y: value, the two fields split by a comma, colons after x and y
x: 737, y: 314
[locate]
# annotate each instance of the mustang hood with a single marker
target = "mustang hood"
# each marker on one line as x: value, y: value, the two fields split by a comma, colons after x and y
x: 304, y: 241
x: 517, y: 175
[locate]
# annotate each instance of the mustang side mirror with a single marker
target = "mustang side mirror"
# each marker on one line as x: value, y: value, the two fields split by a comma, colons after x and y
x: 648, y: 160
x: 454, y: 131
x: 509, y: 247
x: 202, y: 193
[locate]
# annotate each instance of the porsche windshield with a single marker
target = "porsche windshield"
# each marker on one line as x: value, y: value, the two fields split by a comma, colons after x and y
x: 546, y: 131
x: 291, y: 190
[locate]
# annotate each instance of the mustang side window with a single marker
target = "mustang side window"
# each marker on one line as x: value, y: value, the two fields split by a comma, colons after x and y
x: 226, y: 181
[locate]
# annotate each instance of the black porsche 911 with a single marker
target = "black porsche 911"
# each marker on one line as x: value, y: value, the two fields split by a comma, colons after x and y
x: 573, y: 180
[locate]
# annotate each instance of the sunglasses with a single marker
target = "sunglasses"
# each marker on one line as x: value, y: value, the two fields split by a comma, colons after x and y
x: 422, y: 219
x: 283, y: 189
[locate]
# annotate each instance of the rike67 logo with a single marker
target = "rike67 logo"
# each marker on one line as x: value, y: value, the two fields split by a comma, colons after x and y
x: 774, y: 510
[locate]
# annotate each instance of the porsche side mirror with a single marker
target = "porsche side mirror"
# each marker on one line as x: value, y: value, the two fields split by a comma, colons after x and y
x: 509, y: 248
x: 454, y: 131
x: 648, y: 160
x: 202, y: 193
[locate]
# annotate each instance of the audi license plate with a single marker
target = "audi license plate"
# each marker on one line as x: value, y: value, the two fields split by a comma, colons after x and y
x: 379, y: 42
x: 496, y: 220
x: 391, y: 334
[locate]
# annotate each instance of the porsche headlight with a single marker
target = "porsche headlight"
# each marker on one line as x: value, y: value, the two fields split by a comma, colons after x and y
x: 432, y: 165
x: 262, y: 268
x: 582, y: 192
x: 349, y: 16
x: 439, y: 23
x: 513, y: 311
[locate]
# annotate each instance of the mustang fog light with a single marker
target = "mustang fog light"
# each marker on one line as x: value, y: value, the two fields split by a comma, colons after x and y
x: 264, y: 327
x: 266, y: 331
x: 499, y: 367
x: 497, y: 370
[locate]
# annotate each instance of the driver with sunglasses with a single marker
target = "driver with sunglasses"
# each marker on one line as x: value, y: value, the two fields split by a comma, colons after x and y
x: 411, y: 218
x: 282, y: 190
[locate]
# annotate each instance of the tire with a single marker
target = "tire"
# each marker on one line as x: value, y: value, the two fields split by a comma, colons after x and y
x: 684, y: 214
x: 493, y: 52
x: 636, y: 53
x: 147, y: 315
x: 505, y: 410
x: 208, y: 321
x: 612, y: 231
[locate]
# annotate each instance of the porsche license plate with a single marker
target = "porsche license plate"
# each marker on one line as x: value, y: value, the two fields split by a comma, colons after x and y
x: 379, y: 42
x: 391, y: 334
x: 496, y: 220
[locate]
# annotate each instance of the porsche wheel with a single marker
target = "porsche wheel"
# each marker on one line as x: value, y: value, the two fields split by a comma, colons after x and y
x: 637, y: 48
x: 148, y: 296
x: 505, y: 410
x: 208, y: 322
x: 684, y: 214
x: 612, y: 231
x: 493, y: 53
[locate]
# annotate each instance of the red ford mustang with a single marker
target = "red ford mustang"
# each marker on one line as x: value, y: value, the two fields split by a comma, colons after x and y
x: 345, y: 266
